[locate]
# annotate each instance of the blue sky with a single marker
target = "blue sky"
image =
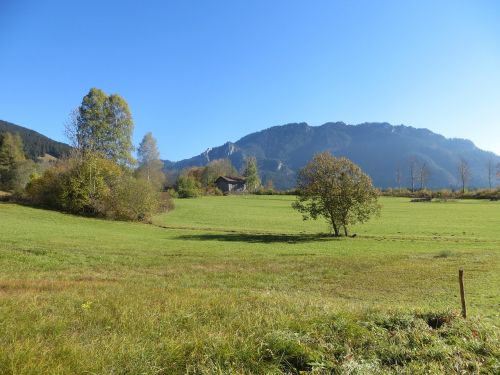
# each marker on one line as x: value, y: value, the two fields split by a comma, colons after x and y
x: 200, y: 73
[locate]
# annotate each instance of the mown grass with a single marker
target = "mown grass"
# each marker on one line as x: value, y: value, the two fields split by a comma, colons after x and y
x: 242, y: 285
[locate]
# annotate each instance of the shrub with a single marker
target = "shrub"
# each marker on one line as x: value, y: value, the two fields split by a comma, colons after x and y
x: 188, y: 187
x: 98, y: 187
x: 172, y: 193
x: 87, y: 185
x: 166, y: 202
x: 212, y: 190
x: 46, y: 190
x: 132, y: 199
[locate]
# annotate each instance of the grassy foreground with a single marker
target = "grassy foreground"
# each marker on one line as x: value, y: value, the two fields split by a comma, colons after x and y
x: 242, y: 285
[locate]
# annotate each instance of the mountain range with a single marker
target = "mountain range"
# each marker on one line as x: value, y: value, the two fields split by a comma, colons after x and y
x: 380, y: 149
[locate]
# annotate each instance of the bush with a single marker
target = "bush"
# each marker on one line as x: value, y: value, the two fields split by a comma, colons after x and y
x: 213, y: 190
x: 132, y: 199
x: 444, y: 194
x: 47, y: 190
x: 97, y: 187
x: 166, y: 201
x: 172, y: 193
x: 188, y: 187
x: 87, y: 185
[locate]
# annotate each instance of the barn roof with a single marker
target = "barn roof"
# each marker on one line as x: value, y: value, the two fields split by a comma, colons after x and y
x: 231, y: 179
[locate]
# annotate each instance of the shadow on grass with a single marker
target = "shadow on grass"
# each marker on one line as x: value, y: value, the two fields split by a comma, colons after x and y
x: 258, y: 237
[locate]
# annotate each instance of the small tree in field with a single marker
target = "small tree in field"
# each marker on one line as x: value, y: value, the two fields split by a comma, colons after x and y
x: 336, y: 189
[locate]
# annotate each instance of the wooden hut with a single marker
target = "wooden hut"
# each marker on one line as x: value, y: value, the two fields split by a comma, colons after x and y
x: 231, y: 184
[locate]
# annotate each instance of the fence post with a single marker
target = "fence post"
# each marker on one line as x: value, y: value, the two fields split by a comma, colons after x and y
x: 462, y: 292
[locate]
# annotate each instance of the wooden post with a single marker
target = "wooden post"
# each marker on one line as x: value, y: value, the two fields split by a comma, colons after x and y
x: 462, y: 292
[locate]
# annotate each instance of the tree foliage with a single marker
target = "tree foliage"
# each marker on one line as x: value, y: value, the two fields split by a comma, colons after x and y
x: 188, y: 185
x: 336, y: 189
x: 95, y: 186
x: 251, y: 174
x: 80, y: 186
x: 132, y: 199
x: 46, y: 190
x: 103, y: 124
x: 150, y: 166
x: 87, y: 185
x: 215, y: 169
x: 195, y: 181
x: 97, y: 178
x: 15, y: 169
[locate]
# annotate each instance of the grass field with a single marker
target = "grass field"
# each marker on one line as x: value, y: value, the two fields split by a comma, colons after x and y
x: 242, y: 285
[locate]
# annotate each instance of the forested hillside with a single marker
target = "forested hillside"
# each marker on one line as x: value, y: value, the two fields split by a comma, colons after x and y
x: 35, y: 144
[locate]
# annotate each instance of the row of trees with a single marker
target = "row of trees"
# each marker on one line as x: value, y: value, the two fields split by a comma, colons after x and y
x: 100, y: 177
x: 419, y: 174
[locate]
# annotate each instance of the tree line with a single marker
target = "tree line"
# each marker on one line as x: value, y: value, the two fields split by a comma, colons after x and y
x: 419, y: 173
x: 99, y: 177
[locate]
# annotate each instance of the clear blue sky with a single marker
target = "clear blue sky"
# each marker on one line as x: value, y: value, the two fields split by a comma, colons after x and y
x: 200, y: 73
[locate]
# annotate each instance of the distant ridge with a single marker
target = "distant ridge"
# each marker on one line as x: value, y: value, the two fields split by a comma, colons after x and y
x: 35, y: 144
x: 379, y: 148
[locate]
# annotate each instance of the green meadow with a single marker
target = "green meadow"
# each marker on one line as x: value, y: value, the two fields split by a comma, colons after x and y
x: 242, y: 285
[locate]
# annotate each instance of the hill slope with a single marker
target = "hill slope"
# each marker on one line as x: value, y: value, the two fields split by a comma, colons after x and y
x: 35, y: 144
x: 379, y: 148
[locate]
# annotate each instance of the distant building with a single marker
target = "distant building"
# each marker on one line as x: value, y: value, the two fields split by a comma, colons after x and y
x: 230, y: 184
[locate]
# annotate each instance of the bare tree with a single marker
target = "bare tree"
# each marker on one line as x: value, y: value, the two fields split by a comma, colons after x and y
x: 423, y: 174
x: 398, y: 176
x: 71, y: 128
x: 413, y: 171
x: 464, y: 173
x: 491, y: 170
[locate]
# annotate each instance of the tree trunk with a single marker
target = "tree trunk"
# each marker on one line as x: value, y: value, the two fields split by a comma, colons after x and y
x: 334, y: 224
x: 345, y: 231
x: 335, y: 229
